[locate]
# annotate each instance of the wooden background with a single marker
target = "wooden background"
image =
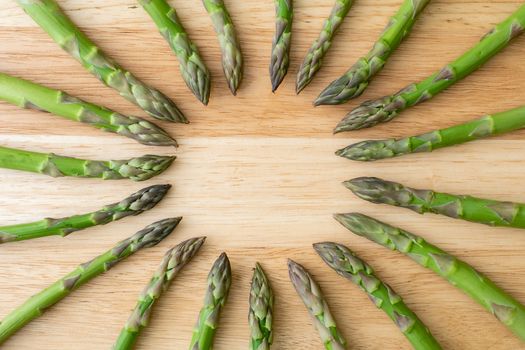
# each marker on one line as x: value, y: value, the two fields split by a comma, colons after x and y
x: 256, y: 174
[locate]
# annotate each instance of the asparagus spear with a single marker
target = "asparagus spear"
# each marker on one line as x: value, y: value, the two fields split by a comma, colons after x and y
x: 260, y: 316
x: 356, y: 79
x: 48, y: 15
x: 384, y: 109
x: 484, y: 211
x: 192, y: 68
x: 174, y: 260
x: 36, y: 305
x: 313, y: 299
x: 348, y: 265
x: 26, y: 94
x: 280, y: 58
x: 461, y: 275
x: 135, y: 204
x: 488, y: 125
x: 137, y: 169
x: 314, y: 57
x: 230, y: 48
x: 219, y: 281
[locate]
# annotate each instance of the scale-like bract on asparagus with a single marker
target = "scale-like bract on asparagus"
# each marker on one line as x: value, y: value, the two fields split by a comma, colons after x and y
x: 351, y: 267
x: 260, y: 316
x: 484, y: 211
x: 488, y: 125
x: 386, y: 108
x: 137, y: 169
x: 135, y: 204
x: 314, y: 57
x: 48, y: 15
x: 280, y: 57
x: 356, y: 79
x: 174, y: 260
x: 26, y: 94
x: 192, y: 67
x: 219, y: 281
x: 36, y: 305
x: 460, y: 274
x: 313, y: 299
x: 230, y: 47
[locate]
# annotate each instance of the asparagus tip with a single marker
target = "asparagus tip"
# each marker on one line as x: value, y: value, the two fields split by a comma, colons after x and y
x: 299, y: 86
x: 275, y: 85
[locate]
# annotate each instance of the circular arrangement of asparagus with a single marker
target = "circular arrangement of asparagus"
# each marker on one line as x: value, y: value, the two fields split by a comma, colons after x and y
x: 48, y: 15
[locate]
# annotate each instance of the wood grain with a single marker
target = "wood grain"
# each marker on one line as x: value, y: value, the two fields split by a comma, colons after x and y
x: 256, y: 174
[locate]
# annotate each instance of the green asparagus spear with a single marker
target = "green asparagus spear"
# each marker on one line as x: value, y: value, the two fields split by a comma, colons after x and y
x: 461, y: 275
x: 137, y: 169
x: 484, y: 211
x: 48, y: 15
x: 314, y: 57
x: 313, y: 299
x: 174, y: 260
x: 135, y: 204
x: 488, y: 125
x: 348, y: 265
x: 192, y: 68
x: 30, y: 95
x: 230, y: 48
x: 260, y: 316
x: 36, y: 305
x: 280, y: 58
x: 219, y: 281
x: 356, y: 79
x: 387, y: 108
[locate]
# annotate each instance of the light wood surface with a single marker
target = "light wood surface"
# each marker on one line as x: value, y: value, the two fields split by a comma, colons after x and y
x: 256, y: 174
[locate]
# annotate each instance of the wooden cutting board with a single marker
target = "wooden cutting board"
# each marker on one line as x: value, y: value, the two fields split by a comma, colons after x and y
x: 256, y: 173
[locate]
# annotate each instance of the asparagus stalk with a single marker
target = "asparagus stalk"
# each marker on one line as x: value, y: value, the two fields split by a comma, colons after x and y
x: 313, y: 299
x: 192, y: 68
x: 174, y: 260
x: 260, y: 316
x: 135, y: 204
x: 314, y: 57
x: 348, y: 265
x: 354, y: 82
x: 48, y: 15
x: 280, y: 58
x: 461, y: 275
x: 488, y: 125
x: 26, y: 94
x: 137, y: 169
x: 484, y: 211
x: 230, y: 48
x: 384, y: 109
x: 36, y: 305
x: 219, y: 281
